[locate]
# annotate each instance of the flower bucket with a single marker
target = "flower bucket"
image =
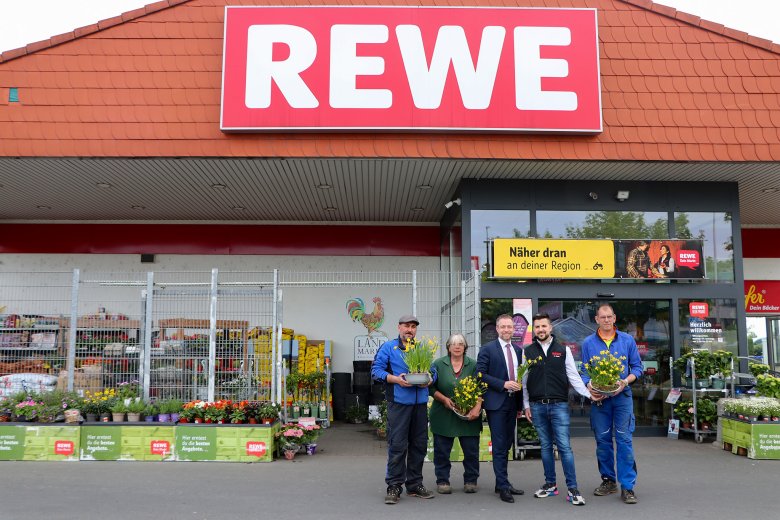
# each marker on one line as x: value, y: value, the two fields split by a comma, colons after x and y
x: 105, y: 417
x: 290, y: 451
x: 311, y: 448
x: 92, y: 417
x: 149, y: 418
x: 174, y: 417
x: 421, y: 378
x: 133, y: 417
x: 118, y: 416
x: 164, y: 417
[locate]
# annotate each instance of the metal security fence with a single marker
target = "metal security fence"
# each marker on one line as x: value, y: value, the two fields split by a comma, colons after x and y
x: 206, y: 335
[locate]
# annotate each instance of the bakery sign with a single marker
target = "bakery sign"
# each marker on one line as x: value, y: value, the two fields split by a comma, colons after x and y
x: 410, y: 68
x: 762, y: 297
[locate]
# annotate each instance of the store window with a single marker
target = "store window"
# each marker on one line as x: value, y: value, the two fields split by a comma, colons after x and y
x: 602, y: 224
x: 714, y: 229
x: 708, y: 324
x: 489, y: 224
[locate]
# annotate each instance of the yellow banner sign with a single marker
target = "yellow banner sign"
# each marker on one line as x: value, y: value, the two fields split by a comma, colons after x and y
x: 537, y: 258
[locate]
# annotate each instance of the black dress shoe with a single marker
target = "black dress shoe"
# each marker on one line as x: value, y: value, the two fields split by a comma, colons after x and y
x: 512, y: 490
x: 506, y: 496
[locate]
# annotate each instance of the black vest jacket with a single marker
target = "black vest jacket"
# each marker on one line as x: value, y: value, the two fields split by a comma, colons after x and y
x: 547, y: 379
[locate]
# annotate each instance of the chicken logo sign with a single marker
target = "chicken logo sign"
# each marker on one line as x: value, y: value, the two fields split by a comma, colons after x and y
x: 366, y: 346
x: 470, y: 69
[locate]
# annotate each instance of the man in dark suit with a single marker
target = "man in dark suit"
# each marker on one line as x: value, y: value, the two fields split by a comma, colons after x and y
x: 497, y: 362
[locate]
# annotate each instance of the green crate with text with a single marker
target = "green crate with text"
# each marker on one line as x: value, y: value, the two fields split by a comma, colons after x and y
x: 39, y: 442
x: 225, y: 443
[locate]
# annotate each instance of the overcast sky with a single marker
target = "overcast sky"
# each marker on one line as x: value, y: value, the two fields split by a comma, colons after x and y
x: 27, y: 21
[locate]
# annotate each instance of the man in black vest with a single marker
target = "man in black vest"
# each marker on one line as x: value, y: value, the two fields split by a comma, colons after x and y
x: 546, y: 404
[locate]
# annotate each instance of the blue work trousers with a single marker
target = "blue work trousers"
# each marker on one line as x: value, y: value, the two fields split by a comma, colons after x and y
x: 613, y: 425
x: 407, y: 443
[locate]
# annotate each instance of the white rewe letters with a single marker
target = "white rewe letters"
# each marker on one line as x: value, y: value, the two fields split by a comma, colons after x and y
x: 261, y: 69
x: 426, y: 83
x: 530, y: 68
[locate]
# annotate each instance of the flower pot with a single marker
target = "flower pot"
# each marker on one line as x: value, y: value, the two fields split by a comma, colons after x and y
x: 208, y: 421
x: 118, y: 416
x: 164, y: 417
x: 133, y: 417
x: 295, y: 412
x: 311, y: 448
x: 421, y: 378
x: 6, y: 417
x: 72, y: 416
x: 306, y: 411
x: 252, y: 420
x: 198, y: 420
x: 149, y: 418
x: 289, y: 453
x: 718, y: 384
x: 92, y: 417
x: 175, y: 417
x: 381, y: 434
x: 702, y: 383
x: 105, y: 417
x: 183, y: 420
x: 323, y: 411
x: 268, y: 421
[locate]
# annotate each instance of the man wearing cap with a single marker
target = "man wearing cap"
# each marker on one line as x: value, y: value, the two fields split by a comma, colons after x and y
x: 407, y: 416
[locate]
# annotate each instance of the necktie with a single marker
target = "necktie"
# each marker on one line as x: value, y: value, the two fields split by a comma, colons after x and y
x: 510, y: 363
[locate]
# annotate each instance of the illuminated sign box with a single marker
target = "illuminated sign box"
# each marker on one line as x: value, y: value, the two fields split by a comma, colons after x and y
x: 411, y: 68
x: 530, y: 258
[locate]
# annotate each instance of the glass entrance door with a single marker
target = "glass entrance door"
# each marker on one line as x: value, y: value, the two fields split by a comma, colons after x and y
x: 648, y: 322
x: 774, y: 343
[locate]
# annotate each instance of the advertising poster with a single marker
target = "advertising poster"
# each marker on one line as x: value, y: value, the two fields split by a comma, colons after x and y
x: 522, y: 311
x: 650, y: 259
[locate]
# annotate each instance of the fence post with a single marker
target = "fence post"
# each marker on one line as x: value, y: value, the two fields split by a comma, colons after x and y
x: 146, y: 352
x: 212, y: 334
x: 414, y: 293
x: 275, y: 392
x: 463, y: 305
x: 477, y: 314
x: 72, y: 331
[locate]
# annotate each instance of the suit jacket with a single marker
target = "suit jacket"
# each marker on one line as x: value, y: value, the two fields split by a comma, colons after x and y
x: 491, y: 363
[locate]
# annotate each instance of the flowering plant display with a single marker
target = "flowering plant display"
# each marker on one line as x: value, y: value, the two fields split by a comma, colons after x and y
x: 238, y: 414
x: 524, y: 366
x: 29, y: 409
x: 290, y: 436
x: 604, y: 371
x: 100, y: 401
x: 418, y: 354
x: 217, y: 411
x: 310, y: 433
x: 468, y: 393
x: 268, y: 411
x: 128, y: 389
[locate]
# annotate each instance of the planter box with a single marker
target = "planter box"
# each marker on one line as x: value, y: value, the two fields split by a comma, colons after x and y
x: 39, y: 442
x: 760, y: 439
x: 154, y: 442
x: 225, y: 443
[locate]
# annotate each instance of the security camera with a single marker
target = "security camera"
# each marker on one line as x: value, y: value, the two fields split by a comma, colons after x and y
x: 449, y: 204
x: 593, y: 195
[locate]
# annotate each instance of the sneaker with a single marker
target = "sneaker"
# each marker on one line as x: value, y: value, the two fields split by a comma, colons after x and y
x: 419, y: 492
x: 470, y: 487
x: 393, y: 494
x: 444, y: 488
x: 575, y: 498
x: 607, y: 487
x: 547, y: 490
x: 628, y: 496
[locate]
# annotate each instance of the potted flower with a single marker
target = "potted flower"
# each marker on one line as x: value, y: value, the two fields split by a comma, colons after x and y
x: 721, y: 361
x: 380, y: 423
x: 268, y: 412
x: 251, y: 411
x: 150, y: 412
x: 604, y: 370
x: 468, y: 393
x: 357, y: 414
x: 290, y: 438
x: 684, y: 411
x: 310, y: 434
x: 6, y: 409
x: 706, y: 413
x: 118, y: 411
x: 28, y: 410
x: 90, y: 407
x: 128, y: 391
x: 174, y: 408
x: 418, y: 356
x: 238, y: 414
x: 135, y: 409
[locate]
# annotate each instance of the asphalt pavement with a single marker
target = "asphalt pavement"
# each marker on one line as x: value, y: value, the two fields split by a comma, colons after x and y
x: 345, y: 479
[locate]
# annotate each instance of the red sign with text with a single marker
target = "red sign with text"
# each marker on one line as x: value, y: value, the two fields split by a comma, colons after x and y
x: 256, y: 448
x: 63, y: 447
x: 688, y: 258
x: 160, y: 447
x: 762, y: 296
x: 411, y: 68
x: 699, y: 309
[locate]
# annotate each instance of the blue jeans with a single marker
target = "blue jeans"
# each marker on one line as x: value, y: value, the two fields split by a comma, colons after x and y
x: 407, y: 443
x: 442, y: 448
x: 552, y: 424
x: 614, y: 420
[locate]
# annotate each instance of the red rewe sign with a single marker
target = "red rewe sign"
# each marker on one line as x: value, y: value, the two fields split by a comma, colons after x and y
x: 160, y: 447
x: 699, y: 309
x: 256, y: 448
x: 688, y: 258
x: 410, y: 68
x: 63, y: 447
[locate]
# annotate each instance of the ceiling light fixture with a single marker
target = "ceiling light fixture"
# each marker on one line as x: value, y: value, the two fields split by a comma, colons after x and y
x: 330, y: 208
x: 424, y: 187
x: 324, y: 186
x: 102, y: 185
x: 218, y: 186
